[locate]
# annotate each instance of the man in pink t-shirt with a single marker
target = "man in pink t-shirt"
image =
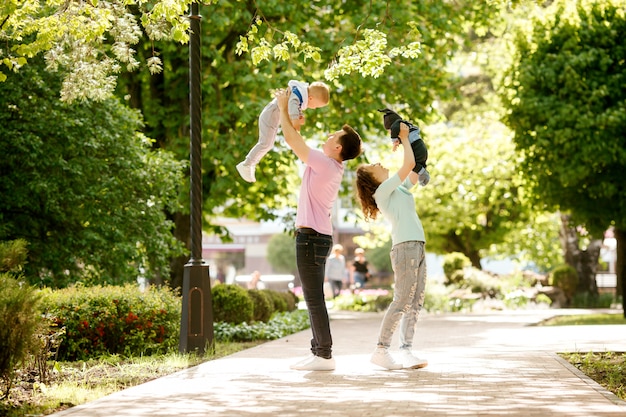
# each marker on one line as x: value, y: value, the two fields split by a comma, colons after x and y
x: 319, y: 189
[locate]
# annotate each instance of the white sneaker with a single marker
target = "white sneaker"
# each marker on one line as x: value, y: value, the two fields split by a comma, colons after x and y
x: 246, y: 171
x: 381, y: 357
x: 411, y: 361
x: 316, y: 363
x: 307, y: 358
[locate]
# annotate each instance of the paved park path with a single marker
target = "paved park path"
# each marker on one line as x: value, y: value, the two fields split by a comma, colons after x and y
x: 491, y: 364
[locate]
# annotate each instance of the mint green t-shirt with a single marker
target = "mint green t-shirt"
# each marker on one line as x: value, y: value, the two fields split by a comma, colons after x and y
x: 396, y: 203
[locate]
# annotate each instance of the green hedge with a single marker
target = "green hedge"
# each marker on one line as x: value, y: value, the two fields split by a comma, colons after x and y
x: 236, y: 305
x: 231, y: 304
x: 99, y: 321
x: 114, y: 320
x: 263, y: 305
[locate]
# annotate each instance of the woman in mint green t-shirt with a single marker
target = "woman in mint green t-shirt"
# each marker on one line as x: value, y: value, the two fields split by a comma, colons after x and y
x: 380, y: 192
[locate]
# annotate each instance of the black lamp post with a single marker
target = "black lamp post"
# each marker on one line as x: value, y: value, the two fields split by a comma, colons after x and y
x: 196, y: 329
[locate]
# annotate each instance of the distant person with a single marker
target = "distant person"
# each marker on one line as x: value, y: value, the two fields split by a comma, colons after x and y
x: 320, y: 185
x: 379, y: 192
x: 304, y: 96
x: 360, y: 272
x: 255, y: 282
x: 608, y: 252
x: 336, y: 270
x: 221, y: 275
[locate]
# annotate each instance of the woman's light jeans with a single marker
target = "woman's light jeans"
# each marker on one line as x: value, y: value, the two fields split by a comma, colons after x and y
x: 408, y: 261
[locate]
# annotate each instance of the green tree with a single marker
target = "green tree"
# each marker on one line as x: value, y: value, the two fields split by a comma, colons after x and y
x: 379, y: 257
x: 104, y: 41
x: 281, y: 253
x: 567, y: 106
x: 475, y: 203
x: 411, y: 42
x: 82, y: 185
x: 236, y: 87
x: 474, y: 197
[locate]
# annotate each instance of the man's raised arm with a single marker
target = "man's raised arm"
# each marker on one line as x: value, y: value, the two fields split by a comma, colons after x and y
x: 292, y: 137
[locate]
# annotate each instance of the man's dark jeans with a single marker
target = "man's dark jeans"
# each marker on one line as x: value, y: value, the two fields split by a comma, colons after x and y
x: 312, y: 249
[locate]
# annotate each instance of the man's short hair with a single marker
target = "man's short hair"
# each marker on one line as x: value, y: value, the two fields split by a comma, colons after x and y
x: 350, y: 143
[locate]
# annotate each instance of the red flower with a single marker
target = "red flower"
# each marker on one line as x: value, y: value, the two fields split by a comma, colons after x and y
x: 131, y: 317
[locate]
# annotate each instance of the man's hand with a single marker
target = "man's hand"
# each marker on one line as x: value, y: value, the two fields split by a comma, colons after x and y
x: 290, y: 133
x: 282, y: 97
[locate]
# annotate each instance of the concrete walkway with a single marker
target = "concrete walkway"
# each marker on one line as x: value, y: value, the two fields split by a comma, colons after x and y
x: 493, y: 364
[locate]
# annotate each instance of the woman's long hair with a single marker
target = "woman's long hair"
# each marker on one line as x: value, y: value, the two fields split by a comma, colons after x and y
x: 366, y: 186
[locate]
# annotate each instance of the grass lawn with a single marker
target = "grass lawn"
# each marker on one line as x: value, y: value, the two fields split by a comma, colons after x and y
x: 606, y: 368
x: 585, y: 319
x: 73, y: 383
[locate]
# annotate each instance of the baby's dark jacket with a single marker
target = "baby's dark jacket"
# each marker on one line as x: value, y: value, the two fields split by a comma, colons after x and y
x: 419, y: 147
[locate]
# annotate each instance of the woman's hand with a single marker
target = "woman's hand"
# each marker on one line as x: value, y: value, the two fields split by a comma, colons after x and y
x: 409, y: 159
x: 404, y: 132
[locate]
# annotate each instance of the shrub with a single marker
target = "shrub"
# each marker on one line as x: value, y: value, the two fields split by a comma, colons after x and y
x: 565, y: 277
x: 382, y: 302
x: 453, y: 262
x: 292, y: 300
x: 280, y: 325
x: 13, y: 255
x: 437, y: 298
x: 543, y: 299
x: 369, y: 300
x: 588, y: 300
x: 280, y: 302
x: 232, y: 304
x: 482, y: 282
x: 263, y: 305
x: 20, y: 316
x: 114, y: 320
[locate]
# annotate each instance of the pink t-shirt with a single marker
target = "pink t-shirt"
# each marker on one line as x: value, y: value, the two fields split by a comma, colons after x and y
x: 320, y: 185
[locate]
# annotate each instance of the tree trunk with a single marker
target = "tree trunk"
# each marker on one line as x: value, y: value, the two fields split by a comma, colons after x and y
x: 588, y: 267
x: 474, y: 257
x: 620, y: 237
x: 584, y: 261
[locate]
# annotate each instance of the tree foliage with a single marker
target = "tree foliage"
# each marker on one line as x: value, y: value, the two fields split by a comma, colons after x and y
x: 474, y: 198
x: 88, y: 41
x: 281, y: 253
x: 475, y: 203
x: 81, y: 184
x: 235, y: 90
x: 248, y: 50
x: 568, y: 110
x: 567, y: 106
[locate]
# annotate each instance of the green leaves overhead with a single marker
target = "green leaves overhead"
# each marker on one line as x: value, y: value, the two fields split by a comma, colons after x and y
x: 368, y: 54
x: 93, y: 41
x: 567, y: 105
x: 89, y: 41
